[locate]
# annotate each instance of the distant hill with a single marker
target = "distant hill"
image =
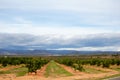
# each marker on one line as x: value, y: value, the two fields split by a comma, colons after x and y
x: 53, y: 52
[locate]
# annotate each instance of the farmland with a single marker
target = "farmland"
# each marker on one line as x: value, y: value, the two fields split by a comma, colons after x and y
x: 59, y: 67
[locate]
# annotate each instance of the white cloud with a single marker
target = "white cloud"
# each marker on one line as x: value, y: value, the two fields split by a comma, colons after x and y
x: 101, y: 42
x: 21, y: 20
x: 98, y: 13
x: 72, y: 5
x: 22, y: 25
x: 105, y: 48
x: 29, y: 28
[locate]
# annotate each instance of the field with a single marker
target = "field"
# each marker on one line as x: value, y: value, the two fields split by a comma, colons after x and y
x: 59, y: 68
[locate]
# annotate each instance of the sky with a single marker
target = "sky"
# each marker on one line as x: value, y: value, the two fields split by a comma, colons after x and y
x: 62, y: 22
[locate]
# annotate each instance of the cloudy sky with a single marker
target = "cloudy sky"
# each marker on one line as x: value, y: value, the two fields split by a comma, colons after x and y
x: 60, y: 24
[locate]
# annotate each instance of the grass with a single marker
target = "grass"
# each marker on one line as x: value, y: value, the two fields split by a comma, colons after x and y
x: 107, y: 78
x: 21, y: 71
x: 54, y: 70
x: 92, y: 70
x: 4, y: 72
x: 116, y: 75
x: 1, y: 66
x: 117, y: 69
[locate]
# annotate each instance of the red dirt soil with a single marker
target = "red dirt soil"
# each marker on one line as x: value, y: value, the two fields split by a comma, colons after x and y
x: 9, y: 67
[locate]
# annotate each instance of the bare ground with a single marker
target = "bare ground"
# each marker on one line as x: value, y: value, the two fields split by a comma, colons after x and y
x: 9, y: 67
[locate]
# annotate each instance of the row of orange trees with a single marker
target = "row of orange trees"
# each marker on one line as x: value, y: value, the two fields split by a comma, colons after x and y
x: 35, y: 63
x: 32, y: 63
x: 77, y: 63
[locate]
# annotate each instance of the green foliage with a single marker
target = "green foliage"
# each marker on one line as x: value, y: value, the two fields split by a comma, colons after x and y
x: 31, y: 63
x: 118, y: 62
x: 98, y: 63
x: 106, y: 64
x: 78, y: 67
x: 77, y: 62
x: 12, y: 61
x: 34, y: 64
x: 4, y: 63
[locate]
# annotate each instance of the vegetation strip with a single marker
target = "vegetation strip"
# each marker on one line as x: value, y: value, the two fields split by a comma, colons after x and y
x: 54, y: 70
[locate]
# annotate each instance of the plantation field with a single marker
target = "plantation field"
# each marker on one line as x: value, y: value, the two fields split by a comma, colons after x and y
x: 58, y: 68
